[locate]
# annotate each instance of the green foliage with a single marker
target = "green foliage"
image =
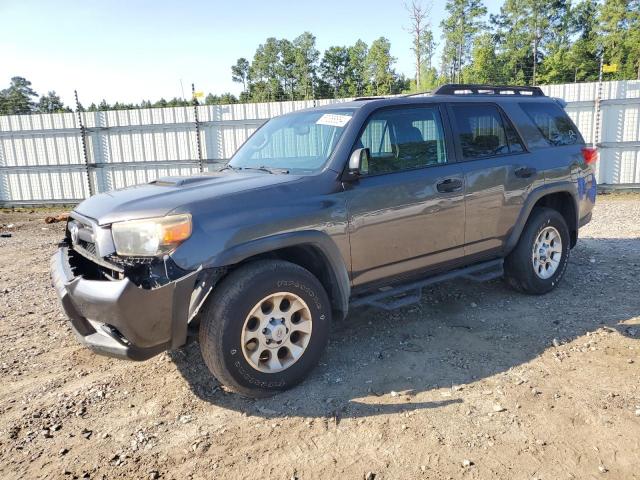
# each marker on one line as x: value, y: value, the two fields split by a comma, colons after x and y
x: 18, y: 98
x: 527, y: 42
x: 620, y: 32
x: 334, y: 69
x: 51, y: 103
x: 484, y: 68
x: 382, y: 77
x: 460, y: 28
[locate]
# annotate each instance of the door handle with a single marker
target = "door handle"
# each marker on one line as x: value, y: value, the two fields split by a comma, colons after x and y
x: 449, y: 185
x: 525, y: 172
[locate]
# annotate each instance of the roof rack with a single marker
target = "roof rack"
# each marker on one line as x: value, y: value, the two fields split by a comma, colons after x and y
x: 361, y: 99
x: 473, y: 89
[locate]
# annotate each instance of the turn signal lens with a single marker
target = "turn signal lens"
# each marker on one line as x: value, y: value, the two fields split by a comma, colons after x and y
x: 590, y: 155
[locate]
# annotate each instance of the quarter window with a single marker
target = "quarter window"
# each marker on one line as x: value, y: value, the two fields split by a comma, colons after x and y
x: 552, y: 123
x: 483, y: 132
x: 403, y: 139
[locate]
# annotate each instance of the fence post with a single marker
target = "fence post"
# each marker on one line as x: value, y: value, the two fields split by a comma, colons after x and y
x: 195, y: 114
x: 83, y: 136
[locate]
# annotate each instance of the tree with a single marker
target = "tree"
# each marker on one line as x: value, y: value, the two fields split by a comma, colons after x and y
x: 306, y: 61
x: 240, y: 72
x: 460, y: 28
x: 51, y: 103
x: 484, y: 67
x: 334, y: 69
x: 264, y: 71
x: 18, y: 98
x: 287, y: 68
x: 525, y: 30
x: 224, y: 99
x: 356, y: 81
x: 620, y: 30
x: 380, y: 67
x: 584, y: 58
x: 423, y: 45
x: 103, y: 106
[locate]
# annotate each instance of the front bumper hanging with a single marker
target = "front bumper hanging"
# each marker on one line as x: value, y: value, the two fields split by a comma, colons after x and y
x: 119, y: 319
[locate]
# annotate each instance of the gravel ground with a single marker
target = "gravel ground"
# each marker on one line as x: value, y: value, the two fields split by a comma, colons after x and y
x: 475, y: 382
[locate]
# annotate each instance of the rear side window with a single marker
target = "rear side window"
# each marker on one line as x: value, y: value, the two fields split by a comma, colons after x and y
x: 483, y: 132
x: 553, y: 123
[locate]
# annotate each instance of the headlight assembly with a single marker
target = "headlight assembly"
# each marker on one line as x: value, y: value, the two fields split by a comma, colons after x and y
x: 151, y: 237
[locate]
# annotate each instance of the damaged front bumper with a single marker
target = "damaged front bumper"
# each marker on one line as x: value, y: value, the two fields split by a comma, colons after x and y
x: 119, y: 319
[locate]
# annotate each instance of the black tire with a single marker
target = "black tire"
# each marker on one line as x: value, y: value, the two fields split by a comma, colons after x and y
x: 227, y: 309
x: 519, y: 271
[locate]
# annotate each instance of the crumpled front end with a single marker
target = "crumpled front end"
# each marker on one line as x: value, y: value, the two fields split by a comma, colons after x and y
x: 119, y: 307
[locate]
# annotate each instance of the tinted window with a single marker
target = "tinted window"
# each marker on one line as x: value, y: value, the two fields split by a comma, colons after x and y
x: 552, y: 122
x: 402, y: 139
x: 483, y: 132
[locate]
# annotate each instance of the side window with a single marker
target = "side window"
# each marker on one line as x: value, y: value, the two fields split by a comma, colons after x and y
x: 552, y: 122
x: 402, y: 139
x: 483, y: 132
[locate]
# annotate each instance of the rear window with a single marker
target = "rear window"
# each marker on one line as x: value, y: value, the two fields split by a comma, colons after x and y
x: 553, y: 123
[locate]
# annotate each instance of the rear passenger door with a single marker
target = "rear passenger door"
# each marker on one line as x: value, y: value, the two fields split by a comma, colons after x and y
x: 499, y: 174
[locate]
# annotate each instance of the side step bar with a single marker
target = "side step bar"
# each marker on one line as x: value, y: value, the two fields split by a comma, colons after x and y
x: 410, y: 293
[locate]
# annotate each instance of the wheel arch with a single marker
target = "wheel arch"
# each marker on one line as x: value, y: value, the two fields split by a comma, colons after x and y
x: 312, y: 250
x: 559, y: 197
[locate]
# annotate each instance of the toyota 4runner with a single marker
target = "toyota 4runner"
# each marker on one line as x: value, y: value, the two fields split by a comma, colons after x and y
x: 358, y: 203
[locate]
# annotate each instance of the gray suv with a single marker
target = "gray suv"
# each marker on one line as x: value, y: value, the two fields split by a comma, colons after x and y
x: 358, y: 203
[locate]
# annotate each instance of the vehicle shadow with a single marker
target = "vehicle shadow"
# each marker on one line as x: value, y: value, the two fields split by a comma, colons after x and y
x: 417, y: 357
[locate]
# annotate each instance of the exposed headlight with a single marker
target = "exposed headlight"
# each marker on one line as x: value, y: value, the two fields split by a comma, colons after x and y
x: 150, y: 237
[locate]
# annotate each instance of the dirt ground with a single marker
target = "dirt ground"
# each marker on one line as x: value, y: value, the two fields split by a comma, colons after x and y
x: 475, y: 382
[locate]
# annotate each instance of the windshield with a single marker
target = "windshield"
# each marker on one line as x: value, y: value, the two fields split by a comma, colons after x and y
x: 299, y: 143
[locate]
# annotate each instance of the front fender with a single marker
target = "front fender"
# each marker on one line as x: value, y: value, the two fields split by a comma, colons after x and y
x: 321, y: 241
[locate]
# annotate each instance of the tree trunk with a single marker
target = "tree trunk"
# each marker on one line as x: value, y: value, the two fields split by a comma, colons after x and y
x: 535, y: 58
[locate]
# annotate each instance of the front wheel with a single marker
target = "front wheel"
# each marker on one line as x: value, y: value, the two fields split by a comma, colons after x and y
x: 264, y: 327
x: 540, y: 258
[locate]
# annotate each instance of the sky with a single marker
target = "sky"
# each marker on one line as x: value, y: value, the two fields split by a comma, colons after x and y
x: 133, y: 50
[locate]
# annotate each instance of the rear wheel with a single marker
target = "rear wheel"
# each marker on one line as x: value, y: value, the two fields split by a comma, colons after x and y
x: 540, y: 258
x: 265, y: 327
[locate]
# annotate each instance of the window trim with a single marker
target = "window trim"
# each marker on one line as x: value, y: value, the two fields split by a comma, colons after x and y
x: 505, y: 120
x: 446, y: 130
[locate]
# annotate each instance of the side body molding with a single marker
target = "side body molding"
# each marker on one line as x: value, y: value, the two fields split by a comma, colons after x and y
x: 341, y: 286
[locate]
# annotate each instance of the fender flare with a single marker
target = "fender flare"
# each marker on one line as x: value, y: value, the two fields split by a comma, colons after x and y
x: 341, y: 284
x: 532, y: 199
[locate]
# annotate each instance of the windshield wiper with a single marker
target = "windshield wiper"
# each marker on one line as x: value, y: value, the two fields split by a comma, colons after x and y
x: 262, y: 168
x: 229, y: 167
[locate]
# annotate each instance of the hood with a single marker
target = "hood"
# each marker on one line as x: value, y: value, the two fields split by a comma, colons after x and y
x: 164, y: 195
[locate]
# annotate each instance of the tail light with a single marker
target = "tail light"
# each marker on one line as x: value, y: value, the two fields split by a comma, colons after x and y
x: 590, y: 155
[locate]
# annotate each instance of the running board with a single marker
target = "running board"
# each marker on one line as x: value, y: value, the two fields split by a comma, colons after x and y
x: 410, y: 293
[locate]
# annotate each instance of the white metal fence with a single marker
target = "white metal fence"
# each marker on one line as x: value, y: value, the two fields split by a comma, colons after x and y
x: 42, y: 159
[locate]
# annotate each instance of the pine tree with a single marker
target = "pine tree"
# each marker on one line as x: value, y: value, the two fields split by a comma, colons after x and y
x: 380, y: 67
x: 18, y: 98
x: 51, y: 103
x: 465, y: 21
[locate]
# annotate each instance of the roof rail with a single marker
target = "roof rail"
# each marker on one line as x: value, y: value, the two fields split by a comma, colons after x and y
x: 473, y: 89
x: 361, y: 99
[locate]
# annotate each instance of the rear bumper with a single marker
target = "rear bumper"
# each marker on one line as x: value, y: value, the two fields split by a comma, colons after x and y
x: 118, y: 318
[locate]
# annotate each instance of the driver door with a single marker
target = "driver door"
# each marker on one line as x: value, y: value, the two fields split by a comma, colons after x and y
x: 406, y: 213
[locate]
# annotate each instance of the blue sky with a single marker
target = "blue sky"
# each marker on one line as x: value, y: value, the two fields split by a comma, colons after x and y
x: 141, y: 49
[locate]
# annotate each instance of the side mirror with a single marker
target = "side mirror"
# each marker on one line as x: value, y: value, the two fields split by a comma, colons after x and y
x: 358, y: 164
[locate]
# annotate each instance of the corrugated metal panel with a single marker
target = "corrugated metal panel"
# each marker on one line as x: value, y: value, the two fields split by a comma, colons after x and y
x: 619, y: 142
x: 41, y: 158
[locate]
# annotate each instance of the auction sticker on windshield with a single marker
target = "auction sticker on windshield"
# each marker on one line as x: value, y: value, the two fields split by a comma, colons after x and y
x: 333, y: 120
